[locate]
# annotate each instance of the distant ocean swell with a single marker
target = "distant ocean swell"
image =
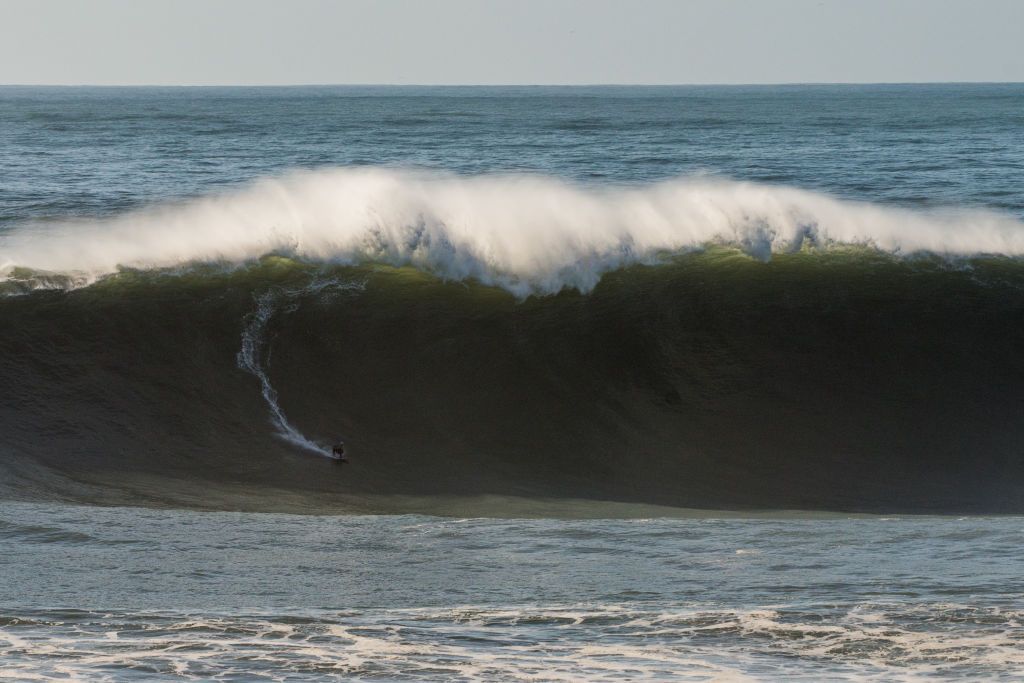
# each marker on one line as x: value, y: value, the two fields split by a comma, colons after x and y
x: 695, y: 343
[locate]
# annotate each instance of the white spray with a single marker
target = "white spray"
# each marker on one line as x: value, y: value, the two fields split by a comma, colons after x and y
x: 528, y: 234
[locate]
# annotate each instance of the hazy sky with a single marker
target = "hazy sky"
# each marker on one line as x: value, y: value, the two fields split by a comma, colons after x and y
x: 509, y: 41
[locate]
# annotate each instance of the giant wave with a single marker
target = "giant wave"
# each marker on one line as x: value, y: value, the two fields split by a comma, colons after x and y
x: 698, y: 343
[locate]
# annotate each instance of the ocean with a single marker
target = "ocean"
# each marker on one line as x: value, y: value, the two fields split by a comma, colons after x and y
x: 662, y: 383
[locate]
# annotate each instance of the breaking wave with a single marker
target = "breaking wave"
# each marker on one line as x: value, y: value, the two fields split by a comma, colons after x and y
x: 527, y: 234
x: 667, y: 361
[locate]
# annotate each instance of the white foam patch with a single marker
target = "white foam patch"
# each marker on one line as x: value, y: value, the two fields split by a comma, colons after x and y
x: 882, y: 642
x: 525, y: 233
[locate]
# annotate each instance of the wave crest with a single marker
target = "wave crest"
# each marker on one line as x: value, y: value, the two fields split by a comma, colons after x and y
x: 527, y: 234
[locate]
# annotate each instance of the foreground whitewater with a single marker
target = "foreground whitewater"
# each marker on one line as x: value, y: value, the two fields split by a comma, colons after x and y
x: 197, y: 596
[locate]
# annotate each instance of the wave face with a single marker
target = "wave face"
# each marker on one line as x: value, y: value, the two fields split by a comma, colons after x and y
x: 526, y: 234
x: 664, y: 362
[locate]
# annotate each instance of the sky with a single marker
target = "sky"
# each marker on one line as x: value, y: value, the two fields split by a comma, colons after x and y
x: 290, y: 42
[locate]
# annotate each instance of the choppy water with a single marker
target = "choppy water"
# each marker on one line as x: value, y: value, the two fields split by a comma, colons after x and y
x: 102, y: 150
x: 561, y: 304
x: 122, y: 594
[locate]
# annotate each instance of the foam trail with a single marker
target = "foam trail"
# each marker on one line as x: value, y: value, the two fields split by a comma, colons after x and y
x: 250, y: 359
x: 528, y: 234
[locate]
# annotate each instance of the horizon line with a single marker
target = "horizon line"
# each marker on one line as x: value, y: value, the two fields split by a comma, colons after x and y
x: 495, y: 85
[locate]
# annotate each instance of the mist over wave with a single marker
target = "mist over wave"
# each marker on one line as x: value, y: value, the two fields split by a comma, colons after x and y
x: 526, y: 234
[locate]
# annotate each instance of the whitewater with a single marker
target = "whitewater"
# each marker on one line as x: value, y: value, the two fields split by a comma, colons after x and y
x: 526, y: 234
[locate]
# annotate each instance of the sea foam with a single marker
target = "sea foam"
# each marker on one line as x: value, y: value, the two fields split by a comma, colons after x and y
x: 528, y: 234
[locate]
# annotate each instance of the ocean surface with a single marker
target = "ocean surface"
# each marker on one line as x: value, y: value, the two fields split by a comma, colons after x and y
x: 672, y: 383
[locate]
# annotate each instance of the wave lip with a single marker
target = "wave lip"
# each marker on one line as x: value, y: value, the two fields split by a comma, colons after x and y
x: 527, y: 234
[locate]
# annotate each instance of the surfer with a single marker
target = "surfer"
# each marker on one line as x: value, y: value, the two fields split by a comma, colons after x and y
x: 338, y: 452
